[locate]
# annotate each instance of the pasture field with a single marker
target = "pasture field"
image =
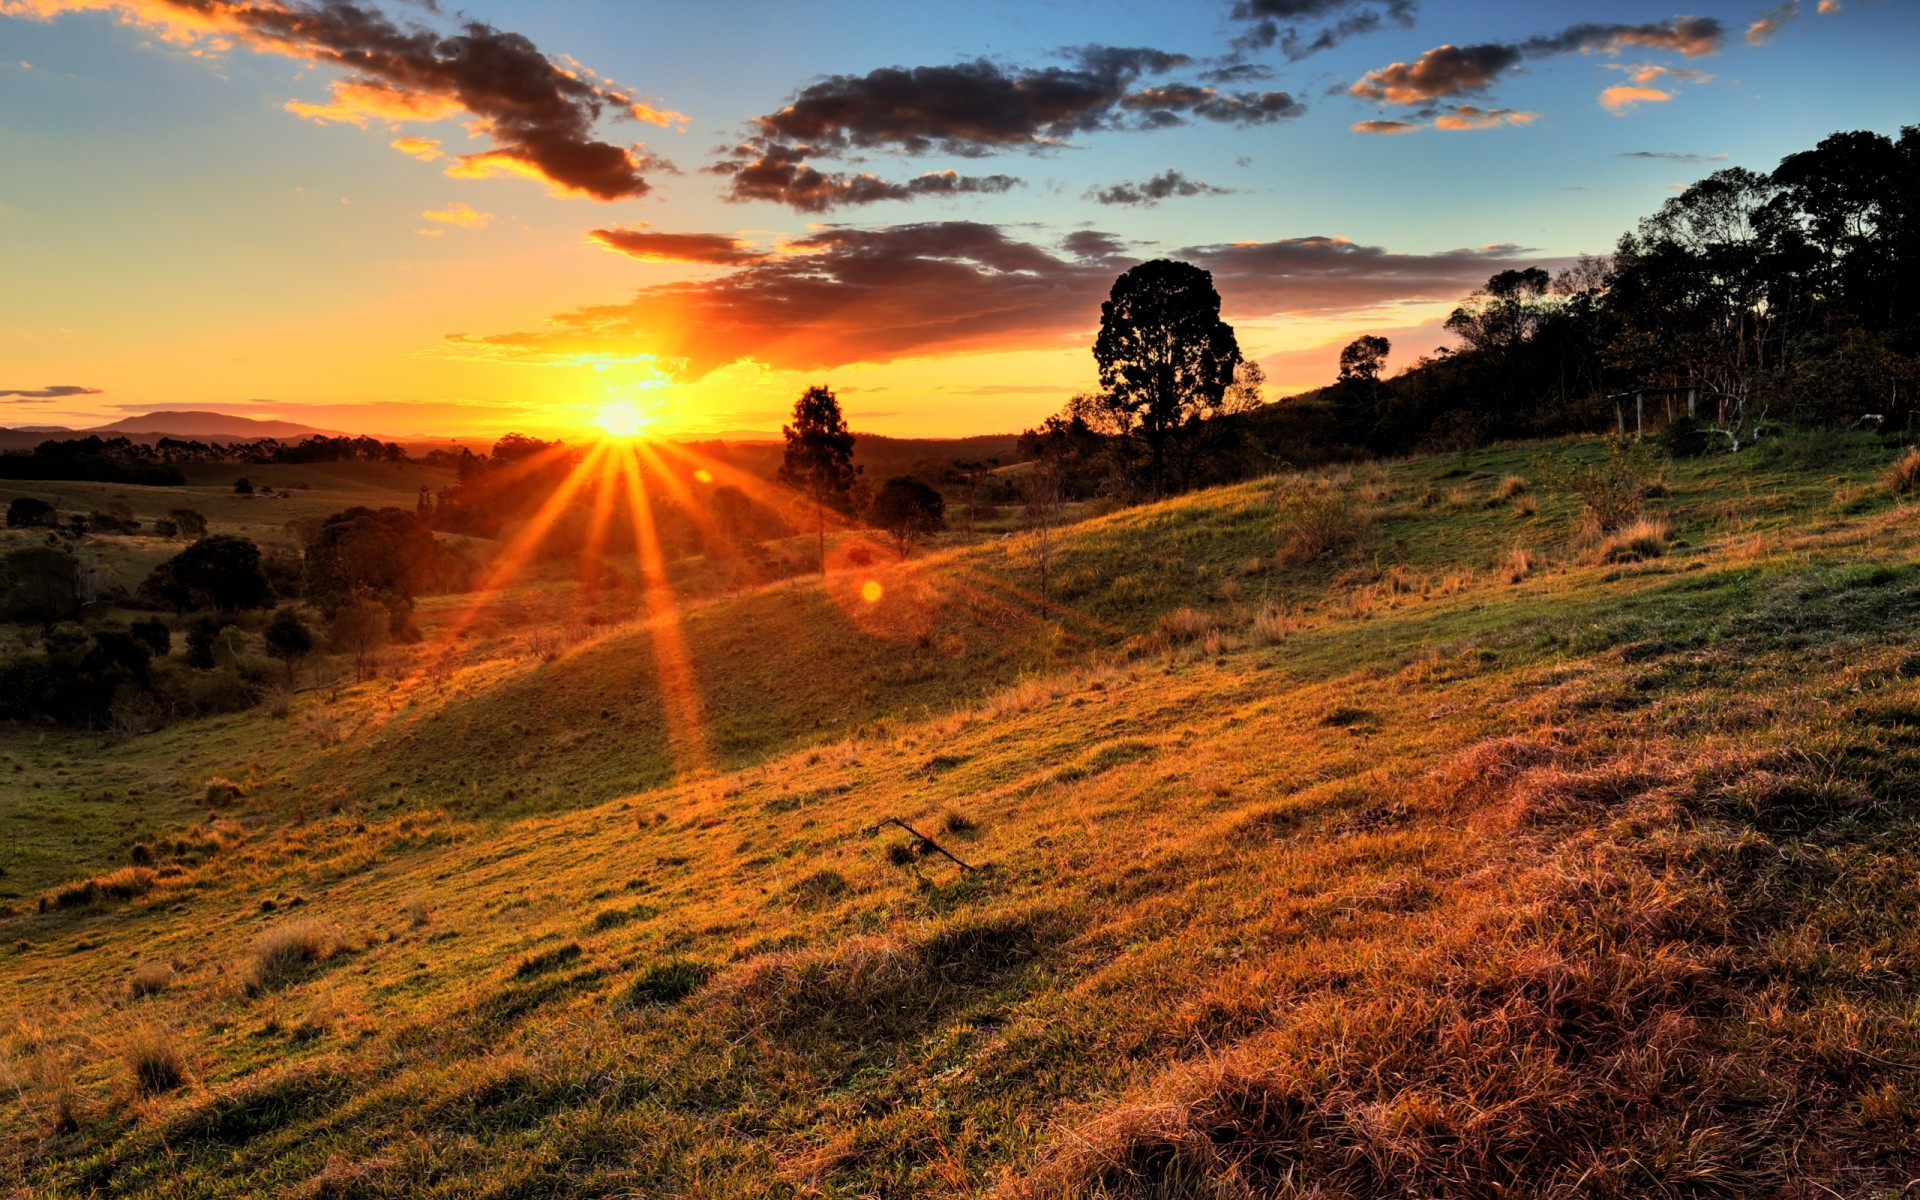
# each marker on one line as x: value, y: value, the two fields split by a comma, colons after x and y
x: 1367, y: 832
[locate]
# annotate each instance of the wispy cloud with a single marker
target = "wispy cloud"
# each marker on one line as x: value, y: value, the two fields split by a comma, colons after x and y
x: 1148, y: 192
x: 55, y: 391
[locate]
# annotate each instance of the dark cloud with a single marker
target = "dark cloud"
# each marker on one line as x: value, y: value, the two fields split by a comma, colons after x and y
x: 842, y: 295
x: 56, y: 391
x: 1450, y: 70
x: 1285, y: 22
x: 716, y: 249
x: 539, y: 113
x: 1164, y: 186
x: 967, y: 110
x: 780, y: 174
x: 1332, y: 274
x: 1672, y: 157
x: 1093, y: 244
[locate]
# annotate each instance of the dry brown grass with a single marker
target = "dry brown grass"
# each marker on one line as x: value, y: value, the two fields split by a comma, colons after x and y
x: 1185, y: 626
x: 1904, y: 475
x: 149, y: 979
x: 153, y: 1058
x: 1636, y: 541
x: 1519, y: 564
x: 286, y: 952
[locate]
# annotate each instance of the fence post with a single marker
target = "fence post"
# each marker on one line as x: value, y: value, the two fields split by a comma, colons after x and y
x: 1639, y: 417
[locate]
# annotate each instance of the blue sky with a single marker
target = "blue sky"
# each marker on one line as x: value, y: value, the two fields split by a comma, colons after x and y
x: 176, y: 237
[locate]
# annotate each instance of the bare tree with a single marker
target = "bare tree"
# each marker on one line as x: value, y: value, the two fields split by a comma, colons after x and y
x: 1044, y: 493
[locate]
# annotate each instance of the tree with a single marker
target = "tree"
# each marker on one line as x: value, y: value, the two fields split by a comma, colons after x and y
x: 288, y: 639
x: 1043, y: 489
x: 221, y: 572
x: 26, y: 512
x: 969, y: 473
x: 819, y: 459
x: 908, y: 509
x: 360, y: 627
x: 203, y: 638
x: 190, y: 523
x: 243, y: 486
x: 1358, y: 400
x: 154, y: 635
x: 39, y: 584
x: 1166, y: 360
x: 388, y: 551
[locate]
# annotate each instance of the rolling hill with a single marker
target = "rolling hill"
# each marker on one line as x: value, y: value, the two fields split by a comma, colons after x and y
x: 1364, y: 833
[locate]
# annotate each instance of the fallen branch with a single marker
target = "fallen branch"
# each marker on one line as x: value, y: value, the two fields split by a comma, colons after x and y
x: 924, y: 842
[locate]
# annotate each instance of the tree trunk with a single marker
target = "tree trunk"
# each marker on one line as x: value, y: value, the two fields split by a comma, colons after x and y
x: 820, y: 517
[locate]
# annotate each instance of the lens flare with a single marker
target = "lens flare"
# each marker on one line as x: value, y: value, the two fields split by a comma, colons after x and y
x: 871, y: 591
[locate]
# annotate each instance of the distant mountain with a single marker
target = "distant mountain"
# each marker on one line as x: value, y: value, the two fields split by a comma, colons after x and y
x: 206, y: 426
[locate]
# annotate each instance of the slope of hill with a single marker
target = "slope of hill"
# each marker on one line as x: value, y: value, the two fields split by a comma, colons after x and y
x: 208, y: 426
x: 1365, y: 834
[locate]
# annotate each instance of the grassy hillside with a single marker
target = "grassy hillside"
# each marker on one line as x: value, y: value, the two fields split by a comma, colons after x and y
x: 1372, y: 833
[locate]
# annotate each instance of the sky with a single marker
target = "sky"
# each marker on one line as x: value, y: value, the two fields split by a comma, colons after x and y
x: 412, y: 219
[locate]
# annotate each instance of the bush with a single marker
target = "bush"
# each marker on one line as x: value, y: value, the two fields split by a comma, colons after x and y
x: 1684, y: 437
x: 1611, y: 490
x: 1319, y: 525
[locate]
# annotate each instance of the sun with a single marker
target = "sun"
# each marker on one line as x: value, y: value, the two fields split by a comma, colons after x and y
x: 621, y: 419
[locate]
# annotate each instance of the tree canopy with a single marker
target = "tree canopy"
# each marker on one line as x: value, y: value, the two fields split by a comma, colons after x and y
x: 1166, y: 363
x: 908, y: 509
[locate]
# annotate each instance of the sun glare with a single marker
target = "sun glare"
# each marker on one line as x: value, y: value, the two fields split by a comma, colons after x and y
x: 621, y: 419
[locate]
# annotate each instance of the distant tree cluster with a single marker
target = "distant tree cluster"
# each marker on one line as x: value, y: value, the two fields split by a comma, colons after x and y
x: 1779, y: 297
x: 1749, y: 298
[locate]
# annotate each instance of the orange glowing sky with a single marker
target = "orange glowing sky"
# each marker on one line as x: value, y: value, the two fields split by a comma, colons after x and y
x: 379, y: 219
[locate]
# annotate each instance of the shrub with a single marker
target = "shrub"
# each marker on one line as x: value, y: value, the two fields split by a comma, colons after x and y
x: 1319, y: 525
x: 1511, y: 486
x: 419, y: 911
x: 1611, y: 490
x: 1904, y: 475
x: 1684, y: 437
x: 154, y: 1060
x: 284, y: 953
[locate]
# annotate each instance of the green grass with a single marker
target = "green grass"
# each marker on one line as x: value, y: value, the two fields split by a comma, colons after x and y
x: 1598, y: 883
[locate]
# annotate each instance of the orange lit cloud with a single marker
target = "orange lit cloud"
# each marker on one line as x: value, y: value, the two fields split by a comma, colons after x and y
x: 715, y: 249
x: 1450, y: 70
x: 423, y: 148
x: 1384, y: 126
x: 1623, y: 96
x: 1472, y: 116
x: 540, y: 114
x: 459, y: 213
x: 841, y: 295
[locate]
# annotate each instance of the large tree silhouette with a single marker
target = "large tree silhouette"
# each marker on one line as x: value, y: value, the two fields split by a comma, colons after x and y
x: 1166, y: 360
x: 819, y: 460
